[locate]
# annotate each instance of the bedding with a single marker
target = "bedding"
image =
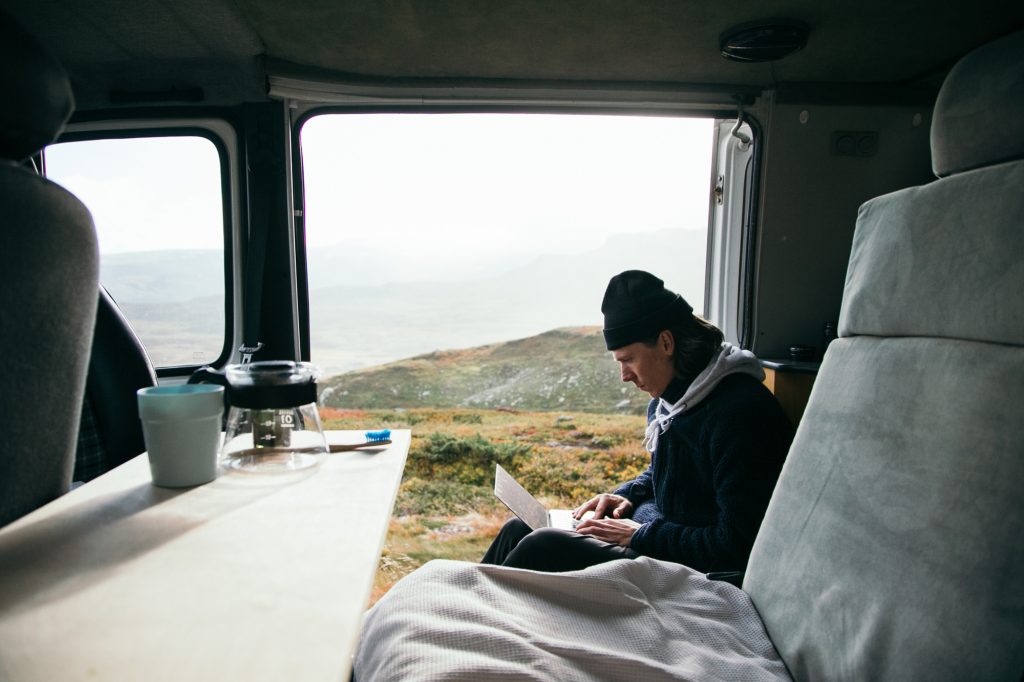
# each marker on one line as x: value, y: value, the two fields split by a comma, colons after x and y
x: 639, y: 619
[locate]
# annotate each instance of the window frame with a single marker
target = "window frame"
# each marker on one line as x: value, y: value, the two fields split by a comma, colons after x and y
x: 302, y: 112
x: 224, y: 138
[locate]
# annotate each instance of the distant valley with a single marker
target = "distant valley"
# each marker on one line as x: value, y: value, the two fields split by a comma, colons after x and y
x: 359, y: 318
x: 361, y: 326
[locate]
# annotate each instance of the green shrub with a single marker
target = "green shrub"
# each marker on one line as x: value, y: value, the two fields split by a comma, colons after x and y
x: 442, y: 497
x: 571, y: 477
x: 469, y: 460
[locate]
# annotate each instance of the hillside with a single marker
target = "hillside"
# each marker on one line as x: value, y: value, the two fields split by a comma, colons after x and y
x: 564, y: 369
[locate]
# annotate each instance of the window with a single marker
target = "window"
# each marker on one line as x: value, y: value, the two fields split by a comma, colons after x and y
x: 158, y: 209
x: 456, y: 267
x: 432, y: 232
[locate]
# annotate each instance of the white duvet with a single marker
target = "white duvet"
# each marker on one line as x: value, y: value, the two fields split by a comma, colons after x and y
x: 636, y: 619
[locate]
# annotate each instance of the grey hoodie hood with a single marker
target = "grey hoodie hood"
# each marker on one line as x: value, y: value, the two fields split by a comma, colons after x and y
x: 729, y: 360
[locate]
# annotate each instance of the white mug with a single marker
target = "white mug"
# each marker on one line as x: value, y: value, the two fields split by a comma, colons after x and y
x: 182, y: 428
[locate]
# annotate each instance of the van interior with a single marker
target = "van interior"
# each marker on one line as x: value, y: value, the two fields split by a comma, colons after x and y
x: 857, y: 200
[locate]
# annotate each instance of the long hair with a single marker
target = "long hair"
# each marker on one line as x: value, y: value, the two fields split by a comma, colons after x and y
x: 696, y: 342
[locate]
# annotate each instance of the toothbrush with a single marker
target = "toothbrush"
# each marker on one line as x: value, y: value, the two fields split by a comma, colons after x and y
x: 372, y: 438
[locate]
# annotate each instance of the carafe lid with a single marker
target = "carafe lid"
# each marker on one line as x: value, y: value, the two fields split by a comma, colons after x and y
x: 272, y: 384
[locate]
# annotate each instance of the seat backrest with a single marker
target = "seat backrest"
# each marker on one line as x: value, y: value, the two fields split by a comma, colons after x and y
x: 111, y: 433
x: 893, y: 547
x: 49, y: 269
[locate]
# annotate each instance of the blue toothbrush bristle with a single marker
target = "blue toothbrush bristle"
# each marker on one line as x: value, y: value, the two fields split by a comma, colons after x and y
x: 377, y: 436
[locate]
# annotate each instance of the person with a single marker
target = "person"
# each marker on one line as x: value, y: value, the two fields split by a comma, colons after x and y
x: 716, y: 436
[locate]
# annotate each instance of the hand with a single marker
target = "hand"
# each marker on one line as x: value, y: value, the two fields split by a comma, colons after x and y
x: 605, y: 505
x: 613, y: 531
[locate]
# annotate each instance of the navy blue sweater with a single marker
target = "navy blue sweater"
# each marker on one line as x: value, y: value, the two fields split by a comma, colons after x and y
x: 703, y: 497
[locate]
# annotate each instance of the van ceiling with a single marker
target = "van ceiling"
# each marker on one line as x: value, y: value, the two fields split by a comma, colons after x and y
x: 222, y: 47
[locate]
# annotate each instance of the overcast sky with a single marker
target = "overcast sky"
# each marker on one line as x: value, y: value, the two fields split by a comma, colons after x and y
x: 518, y: 184
x: 145, y: 194
x: 420, y: 197
x: 486, y: 182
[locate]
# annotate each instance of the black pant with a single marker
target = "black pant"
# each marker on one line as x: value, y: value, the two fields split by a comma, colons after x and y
x: 550, y: 549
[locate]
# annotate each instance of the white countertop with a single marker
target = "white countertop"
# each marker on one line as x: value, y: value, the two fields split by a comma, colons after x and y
x: 240, y: 579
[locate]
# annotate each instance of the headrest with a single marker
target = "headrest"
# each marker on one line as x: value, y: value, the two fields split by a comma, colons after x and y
x: 37, y: 93
x: 941, y: 260
x: 978, y: 117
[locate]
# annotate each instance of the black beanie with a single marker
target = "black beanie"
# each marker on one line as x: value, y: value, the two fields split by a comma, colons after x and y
x: 637, y: 306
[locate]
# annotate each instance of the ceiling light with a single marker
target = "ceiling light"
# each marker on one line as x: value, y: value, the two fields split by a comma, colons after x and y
x: 763, y: 41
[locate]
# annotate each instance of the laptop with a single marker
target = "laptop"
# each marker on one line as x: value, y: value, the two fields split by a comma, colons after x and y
x: 524, y: 505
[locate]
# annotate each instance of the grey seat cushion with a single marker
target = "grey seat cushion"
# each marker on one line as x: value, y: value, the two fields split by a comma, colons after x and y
x: 50, y: 268
x: 893, y: 547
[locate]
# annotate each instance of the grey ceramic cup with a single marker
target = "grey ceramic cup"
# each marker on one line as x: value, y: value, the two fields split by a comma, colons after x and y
x: 182, y: 428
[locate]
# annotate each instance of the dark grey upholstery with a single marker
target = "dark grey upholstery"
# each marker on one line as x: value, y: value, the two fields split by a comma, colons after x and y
x: 37, y: 94
x: 48, y: 279
x: 893, y: 548
x: 111, y: 432
x: 978, y: 117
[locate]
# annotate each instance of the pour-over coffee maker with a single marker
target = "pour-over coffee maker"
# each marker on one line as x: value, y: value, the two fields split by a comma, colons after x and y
x: 273, y: 425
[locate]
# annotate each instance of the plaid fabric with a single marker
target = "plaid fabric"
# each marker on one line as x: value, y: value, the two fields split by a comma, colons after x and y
x: 90, y: 455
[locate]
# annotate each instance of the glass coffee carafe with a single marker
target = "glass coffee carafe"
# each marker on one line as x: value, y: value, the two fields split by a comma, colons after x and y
x: 273, y: 425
